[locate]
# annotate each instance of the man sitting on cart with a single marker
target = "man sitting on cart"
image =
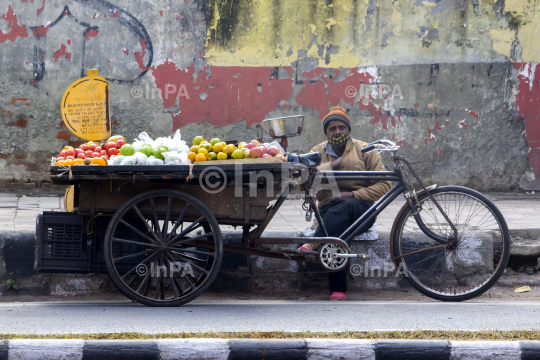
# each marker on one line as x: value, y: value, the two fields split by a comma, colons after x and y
x: 342, y: 153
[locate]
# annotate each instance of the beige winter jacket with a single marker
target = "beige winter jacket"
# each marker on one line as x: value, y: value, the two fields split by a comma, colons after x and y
x: 353, y: 160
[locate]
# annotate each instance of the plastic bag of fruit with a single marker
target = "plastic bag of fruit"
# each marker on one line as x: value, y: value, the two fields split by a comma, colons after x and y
x: 116, y: 160
x: 129, y: 160
x: 173, y: 156
x: 152, y: 160
x: 141, y: 158
x: 142, y: 139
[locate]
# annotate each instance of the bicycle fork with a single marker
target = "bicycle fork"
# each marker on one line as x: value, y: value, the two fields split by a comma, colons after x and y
x: 416, y: 207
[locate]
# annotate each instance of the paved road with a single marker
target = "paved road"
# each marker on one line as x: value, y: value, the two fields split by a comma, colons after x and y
x: 266, y: 316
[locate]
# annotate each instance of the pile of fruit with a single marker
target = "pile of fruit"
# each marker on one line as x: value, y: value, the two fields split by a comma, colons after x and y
x: 162, y: 151
x: 218, y: 150
x: 91, y: 153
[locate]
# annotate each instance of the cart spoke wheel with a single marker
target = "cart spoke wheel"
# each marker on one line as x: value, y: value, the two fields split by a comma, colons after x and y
x: 163, y: 248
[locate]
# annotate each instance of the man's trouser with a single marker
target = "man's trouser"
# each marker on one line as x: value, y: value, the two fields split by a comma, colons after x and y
x: 337, y: 217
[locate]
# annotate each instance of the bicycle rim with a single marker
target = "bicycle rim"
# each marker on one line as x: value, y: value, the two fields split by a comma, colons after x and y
x: 460, y: 272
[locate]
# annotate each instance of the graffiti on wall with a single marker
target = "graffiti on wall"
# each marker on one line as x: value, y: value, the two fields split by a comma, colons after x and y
x: 85, y: 33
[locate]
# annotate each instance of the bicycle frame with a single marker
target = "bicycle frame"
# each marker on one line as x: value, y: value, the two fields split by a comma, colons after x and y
x: 361, y: 224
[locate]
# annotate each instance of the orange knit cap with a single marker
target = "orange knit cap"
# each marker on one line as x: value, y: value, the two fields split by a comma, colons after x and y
x: 337, y: 113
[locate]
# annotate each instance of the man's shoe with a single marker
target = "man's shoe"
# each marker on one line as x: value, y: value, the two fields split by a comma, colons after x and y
x: 336, y: 295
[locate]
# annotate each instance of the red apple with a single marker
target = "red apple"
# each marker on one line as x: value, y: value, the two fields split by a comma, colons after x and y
x: 98, y: 149
x: 79, y: 151
x: 81, y: 156
x: 263, y: 149
x: 254, y: 142
x: 113, y: 151
x: 273, y: 151
x: 255, y: 153
x: 266, y: 156
x: 70, y: 158
x: 280, y: 155
x: 96, y: 154
x: 92, y: 147
x: 83, y: 147
x: 120, y: 143
x: 103, y: 152
x: 105, y: 157
x: 250, y: 146
x: 110, y: 145
x: 88, y: 153
x: 63, y: 153
x: 71, y: 152
x: 61, y: 158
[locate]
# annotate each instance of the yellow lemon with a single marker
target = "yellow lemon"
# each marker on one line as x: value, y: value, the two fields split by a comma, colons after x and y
x: 202, y: 151
x: 195, y: 149
x: 237, y: 154
x: 217, y: 148
x: 221, y: 156
x: 208, y: 147
x: 229, y: 149
x: 197, y: 140
x: 211, y: 156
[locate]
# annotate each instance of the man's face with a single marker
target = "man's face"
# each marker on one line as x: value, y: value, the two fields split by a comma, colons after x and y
x: 336, y: 127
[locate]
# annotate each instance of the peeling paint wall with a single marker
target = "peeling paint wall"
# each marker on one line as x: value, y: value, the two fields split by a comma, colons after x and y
x: 454, y: 82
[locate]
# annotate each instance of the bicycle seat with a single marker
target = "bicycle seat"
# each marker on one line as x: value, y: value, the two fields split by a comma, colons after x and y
x: 310, y: 160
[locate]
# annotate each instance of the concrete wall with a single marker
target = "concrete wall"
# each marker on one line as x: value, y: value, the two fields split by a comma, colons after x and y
x: 454, y: 82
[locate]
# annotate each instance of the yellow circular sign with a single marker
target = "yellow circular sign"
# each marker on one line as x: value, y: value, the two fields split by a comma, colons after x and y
x: 86, y: 107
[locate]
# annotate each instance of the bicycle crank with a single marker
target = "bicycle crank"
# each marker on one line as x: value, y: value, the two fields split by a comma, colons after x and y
x: 334, y: 257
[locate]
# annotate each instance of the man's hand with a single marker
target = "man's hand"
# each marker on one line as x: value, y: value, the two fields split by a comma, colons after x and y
x: 336, y: 164
x: 342, y: 196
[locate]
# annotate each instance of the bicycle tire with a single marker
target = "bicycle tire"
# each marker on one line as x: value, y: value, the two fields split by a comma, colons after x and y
x: 468, y: 258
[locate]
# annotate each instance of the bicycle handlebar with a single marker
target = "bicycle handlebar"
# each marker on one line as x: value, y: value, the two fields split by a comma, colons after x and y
x: 383, y: 145
x: 367, y: 148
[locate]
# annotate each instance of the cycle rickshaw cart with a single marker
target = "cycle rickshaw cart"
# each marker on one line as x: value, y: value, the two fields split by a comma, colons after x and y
x: 156, y: 229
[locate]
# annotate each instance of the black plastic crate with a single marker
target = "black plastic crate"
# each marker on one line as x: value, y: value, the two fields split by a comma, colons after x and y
x: 67, y: 243
x: 61, y: 243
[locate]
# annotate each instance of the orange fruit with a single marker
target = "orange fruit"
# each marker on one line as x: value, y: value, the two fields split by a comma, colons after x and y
x: 203, y: 151
x: 229, y: 149
x: 200, y: 157
x: 98, y: 161
x: 78, y: 161
x: 204, y: 142
x: 68, y: 162
x: 222, y: 156
x: 195, y: 149
x: 191, y: 156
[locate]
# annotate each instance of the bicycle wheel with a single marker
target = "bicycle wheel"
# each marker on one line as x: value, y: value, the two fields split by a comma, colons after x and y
x: 460, y: 271
x: 163, y: 248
